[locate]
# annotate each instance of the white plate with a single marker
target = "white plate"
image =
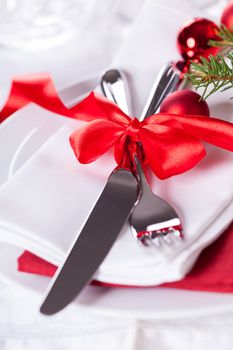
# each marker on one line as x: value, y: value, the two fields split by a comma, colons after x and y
x: 144, y: 303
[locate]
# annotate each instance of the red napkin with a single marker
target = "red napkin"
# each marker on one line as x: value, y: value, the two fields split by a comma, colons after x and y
x: 213, y: 270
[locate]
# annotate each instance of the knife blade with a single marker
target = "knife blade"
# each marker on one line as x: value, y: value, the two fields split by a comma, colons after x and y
x: 100, y: 231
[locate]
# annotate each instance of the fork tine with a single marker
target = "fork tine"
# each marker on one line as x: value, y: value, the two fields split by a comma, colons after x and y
x: 156, y: 241
x: 167, y: 238
x: 145, y: 238
x: 178, y: 235
x: 158, y: 238
x: 170, y: 236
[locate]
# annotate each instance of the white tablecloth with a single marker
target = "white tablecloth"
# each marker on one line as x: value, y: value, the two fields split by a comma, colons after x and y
x: 21, y: 326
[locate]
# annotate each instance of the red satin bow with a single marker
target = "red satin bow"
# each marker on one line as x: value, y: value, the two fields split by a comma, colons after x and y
x: 171, y: 144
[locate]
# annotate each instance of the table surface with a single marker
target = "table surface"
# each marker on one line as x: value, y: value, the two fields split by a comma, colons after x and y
x: 21, y: 326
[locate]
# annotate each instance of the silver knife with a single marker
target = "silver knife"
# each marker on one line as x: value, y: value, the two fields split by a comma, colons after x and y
x: 94, y: 242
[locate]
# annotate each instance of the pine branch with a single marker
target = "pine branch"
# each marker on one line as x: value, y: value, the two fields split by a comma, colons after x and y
x: 213, y: 74
x: 225, y: 38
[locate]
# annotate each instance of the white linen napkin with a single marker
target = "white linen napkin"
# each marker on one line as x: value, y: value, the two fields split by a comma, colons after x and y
x: 43, y: 206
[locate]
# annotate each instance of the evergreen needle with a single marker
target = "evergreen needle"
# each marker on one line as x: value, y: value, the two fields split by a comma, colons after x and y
x: 213, y: 74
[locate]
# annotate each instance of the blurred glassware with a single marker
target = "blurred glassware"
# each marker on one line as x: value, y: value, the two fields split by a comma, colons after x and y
x: 39, y: 24
x: 43, y: 24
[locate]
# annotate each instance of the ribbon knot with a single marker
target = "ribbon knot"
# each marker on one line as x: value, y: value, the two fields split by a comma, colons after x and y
x: 171, y: 144
x: 133, y: 129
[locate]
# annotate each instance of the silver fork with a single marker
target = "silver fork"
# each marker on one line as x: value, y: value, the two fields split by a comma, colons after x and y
x: 153, y: 220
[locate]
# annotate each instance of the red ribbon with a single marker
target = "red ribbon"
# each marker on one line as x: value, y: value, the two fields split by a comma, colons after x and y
x: 171, y: 144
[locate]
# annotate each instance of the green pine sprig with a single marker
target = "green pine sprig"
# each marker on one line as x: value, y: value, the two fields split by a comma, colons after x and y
x: 216, y: 72
x: 225, y: 38
x: 213, y: 74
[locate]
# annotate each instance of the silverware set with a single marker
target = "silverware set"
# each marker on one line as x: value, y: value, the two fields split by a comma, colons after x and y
x: 126, y: 196
x: 153, y: 221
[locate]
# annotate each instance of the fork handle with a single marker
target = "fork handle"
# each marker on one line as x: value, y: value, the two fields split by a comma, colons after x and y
x: 114, y: 88
x: 167, y: 81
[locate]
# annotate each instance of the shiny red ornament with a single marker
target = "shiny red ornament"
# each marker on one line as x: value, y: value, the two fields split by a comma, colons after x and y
x: 192, y: 40
x: 185, y: 102
x: 227, y: 15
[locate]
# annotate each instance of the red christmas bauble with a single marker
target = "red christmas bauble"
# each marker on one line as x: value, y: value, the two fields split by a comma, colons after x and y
x: 192, y: 40
x: 227, y: 15
x: 185, y: 102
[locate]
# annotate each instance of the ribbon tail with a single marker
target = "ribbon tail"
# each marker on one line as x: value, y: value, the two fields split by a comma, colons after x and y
x: 212, y: 130
x: 36, y: 88
x: 40, y: 89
